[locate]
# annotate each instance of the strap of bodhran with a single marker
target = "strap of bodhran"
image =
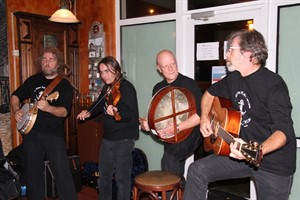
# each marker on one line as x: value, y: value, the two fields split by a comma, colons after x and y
x: 169, y: 107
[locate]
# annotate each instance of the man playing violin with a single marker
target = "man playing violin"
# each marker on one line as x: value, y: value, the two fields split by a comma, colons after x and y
x: 262, y: 98
x: 175, y: 155
x: 118, y: 102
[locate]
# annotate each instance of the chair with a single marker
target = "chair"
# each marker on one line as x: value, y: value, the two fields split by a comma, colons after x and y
x: 157, y: 183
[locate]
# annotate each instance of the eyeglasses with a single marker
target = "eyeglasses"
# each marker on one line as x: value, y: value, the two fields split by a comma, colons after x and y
x: 171, y: 65
x: 233, y: 47
x: 51, y: 60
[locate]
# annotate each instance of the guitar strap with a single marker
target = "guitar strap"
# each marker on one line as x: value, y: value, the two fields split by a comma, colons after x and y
x: 51, y: 86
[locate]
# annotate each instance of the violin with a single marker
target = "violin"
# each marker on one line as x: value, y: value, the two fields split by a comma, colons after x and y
x: 114, y: 97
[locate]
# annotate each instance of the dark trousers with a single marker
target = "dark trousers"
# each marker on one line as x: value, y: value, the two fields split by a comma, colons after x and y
x: 175, y: 155
x: 37, y: 147
x: 269, y: 186
x: 115, y: 161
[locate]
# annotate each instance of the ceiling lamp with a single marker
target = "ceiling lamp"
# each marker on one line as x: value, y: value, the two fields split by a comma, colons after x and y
x: 63, y: 14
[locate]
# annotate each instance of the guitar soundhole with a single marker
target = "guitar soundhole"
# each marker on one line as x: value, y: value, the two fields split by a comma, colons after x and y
x: 213, y: 139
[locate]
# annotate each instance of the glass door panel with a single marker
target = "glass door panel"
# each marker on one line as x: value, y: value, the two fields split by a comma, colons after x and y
x: 139, y: 46
x: 213, y: 34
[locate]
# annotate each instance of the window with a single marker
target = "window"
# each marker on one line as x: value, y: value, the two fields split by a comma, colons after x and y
x: 142, y: 8
x: 196, y: 4
x: 216, y: 32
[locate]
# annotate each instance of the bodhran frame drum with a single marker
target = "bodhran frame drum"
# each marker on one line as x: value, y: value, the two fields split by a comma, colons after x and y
x: 169, y: 107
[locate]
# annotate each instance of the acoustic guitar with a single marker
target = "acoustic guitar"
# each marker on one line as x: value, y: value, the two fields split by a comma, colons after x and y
x: 226, y: 123
x: 30, y: 113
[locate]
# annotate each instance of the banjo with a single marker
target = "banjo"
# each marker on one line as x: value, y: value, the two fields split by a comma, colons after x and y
x: 169, y: 107
x: 30, y: 111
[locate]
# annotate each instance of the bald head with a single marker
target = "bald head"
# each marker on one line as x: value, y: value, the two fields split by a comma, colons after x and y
x: 163, y: 53
x: 166, y: 64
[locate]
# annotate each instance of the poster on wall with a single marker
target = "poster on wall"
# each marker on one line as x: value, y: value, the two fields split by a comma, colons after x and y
x: 96, y: 46
x: 208, y: 51
x: 217, y: 73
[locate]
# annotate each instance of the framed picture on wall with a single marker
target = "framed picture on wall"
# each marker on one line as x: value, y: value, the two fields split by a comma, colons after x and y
x: 50, y: 41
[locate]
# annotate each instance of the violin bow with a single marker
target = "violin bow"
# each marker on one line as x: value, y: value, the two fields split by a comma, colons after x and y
x: 107, y: 92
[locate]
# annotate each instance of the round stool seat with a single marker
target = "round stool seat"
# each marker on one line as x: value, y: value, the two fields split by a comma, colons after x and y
x: 157, y: 182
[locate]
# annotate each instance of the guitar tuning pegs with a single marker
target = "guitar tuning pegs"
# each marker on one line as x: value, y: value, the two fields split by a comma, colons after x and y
x: 255, y: 144
x: 248, y: 158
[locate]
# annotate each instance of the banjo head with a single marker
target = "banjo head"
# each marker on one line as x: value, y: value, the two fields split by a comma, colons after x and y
x: 169, y: 107
x: 25, y: 108
x: 29, y: 116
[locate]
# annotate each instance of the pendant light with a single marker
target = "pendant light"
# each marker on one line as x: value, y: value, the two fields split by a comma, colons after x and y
x: 63, y: 14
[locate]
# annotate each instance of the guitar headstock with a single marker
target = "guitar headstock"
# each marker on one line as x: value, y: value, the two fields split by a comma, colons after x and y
x: 252, y: 152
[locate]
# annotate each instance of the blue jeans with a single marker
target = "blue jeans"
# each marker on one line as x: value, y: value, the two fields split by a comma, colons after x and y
x: 115, y: 161
x: 37, y: 146
x: 212, y: 168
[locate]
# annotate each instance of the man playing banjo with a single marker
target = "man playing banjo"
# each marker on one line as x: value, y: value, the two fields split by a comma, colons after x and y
x: 46, y: 137
x: 175, y: 154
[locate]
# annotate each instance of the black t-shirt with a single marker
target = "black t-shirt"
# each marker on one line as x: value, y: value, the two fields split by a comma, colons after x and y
x: 264, y: 102
x: 128, y: 126
x: 33, y: 88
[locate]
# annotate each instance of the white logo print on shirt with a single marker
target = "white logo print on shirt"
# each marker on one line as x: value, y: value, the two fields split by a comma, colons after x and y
x: 244, y: 105
x: 39, y: 91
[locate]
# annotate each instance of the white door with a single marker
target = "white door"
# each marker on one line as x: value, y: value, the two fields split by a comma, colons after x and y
x: 255, y: 11
x: 213, y: 27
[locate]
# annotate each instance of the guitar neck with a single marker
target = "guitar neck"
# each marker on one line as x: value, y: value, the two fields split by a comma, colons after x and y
x: 225, y: 135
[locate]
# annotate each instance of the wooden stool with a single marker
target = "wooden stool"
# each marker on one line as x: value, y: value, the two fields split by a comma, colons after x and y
x: 155, y: 183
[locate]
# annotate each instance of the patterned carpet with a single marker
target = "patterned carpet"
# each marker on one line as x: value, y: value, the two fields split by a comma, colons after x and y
x: 5, y: 132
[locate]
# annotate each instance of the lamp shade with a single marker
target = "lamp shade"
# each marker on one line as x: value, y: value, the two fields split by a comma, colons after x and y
x: 63, y: 15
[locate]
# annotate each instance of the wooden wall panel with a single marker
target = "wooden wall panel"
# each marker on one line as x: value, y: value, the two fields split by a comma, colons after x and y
x: 33, y: 6
x: 26, y: 51
x: 102, y: 11
x: 86, y: 11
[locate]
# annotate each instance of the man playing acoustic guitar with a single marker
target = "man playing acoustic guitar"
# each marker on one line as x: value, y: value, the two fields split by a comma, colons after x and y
x: 43, y: 131
x: 262, y: 98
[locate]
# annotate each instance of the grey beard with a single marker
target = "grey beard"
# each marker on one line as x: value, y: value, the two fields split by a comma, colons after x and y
x: 50, y: 73
x: 230, y: 67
